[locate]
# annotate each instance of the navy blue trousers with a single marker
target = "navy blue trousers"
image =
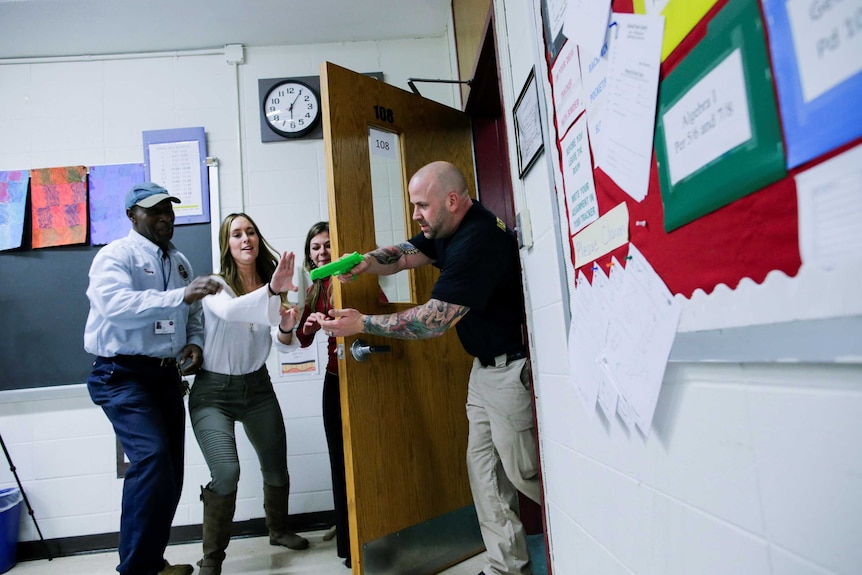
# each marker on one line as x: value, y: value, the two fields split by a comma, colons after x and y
x: 144, y: 403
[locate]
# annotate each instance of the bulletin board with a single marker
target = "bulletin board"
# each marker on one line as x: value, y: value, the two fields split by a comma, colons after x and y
x: 727, y: 234
x: 43, y: 287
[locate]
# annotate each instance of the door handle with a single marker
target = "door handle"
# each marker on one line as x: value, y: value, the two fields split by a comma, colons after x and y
x: 360, y: 350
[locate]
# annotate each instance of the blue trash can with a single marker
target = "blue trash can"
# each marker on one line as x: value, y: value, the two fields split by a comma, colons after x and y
x: 10, y: 519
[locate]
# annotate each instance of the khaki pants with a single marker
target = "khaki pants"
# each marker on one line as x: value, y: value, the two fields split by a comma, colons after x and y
x: 502, y: 460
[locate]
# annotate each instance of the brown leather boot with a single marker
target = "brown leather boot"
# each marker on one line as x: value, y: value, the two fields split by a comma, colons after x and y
x: 275, y: 505
x: 218, y: 516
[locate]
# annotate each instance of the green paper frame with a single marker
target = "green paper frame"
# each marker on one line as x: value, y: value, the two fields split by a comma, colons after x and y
x: 749, y: 166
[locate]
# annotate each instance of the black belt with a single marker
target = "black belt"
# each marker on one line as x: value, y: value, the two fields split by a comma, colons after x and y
x: 503, y: 359
x: 227, y: 378
x: 146, y: 360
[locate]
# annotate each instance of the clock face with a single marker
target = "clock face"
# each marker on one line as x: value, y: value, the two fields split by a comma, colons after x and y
x: 291, y: 108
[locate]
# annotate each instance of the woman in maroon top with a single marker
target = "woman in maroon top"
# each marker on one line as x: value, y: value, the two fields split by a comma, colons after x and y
x: 318, y: 301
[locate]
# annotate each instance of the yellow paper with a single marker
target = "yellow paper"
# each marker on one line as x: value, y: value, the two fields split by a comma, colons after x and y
x: 681, y: 16
x: 602, y: 236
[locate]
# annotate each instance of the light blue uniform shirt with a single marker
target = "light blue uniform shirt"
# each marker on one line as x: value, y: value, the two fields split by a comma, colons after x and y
x: 132, y: 290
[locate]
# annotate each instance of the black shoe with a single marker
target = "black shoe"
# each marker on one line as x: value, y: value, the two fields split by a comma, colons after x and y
x: 347, y: 563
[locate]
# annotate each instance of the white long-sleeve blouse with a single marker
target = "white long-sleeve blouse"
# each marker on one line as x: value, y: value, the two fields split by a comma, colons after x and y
x: 240, y: 330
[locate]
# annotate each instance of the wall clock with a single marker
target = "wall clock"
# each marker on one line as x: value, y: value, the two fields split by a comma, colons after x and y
x: 290, y: 108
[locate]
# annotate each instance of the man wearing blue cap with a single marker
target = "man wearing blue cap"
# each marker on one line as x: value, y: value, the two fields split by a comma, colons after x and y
x: 145, y: 330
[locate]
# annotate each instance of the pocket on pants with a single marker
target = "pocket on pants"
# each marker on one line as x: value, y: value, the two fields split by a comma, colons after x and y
x: 525, y: 455
x: 102, y: 371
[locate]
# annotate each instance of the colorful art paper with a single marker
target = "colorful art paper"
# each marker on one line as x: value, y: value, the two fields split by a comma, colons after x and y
x: 13, y: 203
x: 59, y: 206
x: 108, y: 187
x: 299, y: 361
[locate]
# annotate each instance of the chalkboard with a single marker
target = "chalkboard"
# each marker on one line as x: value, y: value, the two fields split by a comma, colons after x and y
x: 44, y: 304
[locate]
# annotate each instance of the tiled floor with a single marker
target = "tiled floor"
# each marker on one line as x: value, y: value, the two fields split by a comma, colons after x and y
x: 250, y: 556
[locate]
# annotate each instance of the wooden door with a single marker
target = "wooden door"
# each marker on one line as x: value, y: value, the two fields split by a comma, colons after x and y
x: 405, y: 426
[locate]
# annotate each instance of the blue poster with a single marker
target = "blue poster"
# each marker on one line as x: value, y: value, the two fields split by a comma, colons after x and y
x: 816, y: 50
x: 107, y: 187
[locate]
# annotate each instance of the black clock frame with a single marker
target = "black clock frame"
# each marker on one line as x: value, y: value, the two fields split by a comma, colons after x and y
x: 267, y: 132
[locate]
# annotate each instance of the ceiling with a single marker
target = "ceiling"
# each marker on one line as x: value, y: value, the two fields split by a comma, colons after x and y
x: 50, y: 28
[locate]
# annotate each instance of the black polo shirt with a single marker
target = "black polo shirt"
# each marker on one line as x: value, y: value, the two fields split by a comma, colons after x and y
x: 479, y: 268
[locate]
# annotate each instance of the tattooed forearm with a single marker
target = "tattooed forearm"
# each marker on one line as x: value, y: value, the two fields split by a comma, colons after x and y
x: 421, y: 322
x: 390, y: 255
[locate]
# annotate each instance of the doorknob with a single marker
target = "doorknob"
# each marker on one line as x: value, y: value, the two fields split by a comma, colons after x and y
x: 360, y: 350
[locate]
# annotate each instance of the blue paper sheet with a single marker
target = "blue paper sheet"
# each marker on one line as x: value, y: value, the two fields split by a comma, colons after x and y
x: 829, y: 37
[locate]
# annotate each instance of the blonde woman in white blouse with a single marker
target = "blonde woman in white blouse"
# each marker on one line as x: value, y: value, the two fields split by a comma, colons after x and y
x: 234, y: 385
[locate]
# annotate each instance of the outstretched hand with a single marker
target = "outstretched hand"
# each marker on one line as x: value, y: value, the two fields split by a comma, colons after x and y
x: 344, y: 322
x: 282, y: 277
x: 288, y: 317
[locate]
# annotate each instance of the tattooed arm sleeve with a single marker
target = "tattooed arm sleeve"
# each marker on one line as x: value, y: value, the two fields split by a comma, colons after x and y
x: 424, y: 321
x: 393, y: 259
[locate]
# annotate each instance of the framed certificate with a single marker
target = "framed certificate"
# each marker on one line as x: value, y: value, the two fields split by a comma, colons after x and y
x: 528, y: 125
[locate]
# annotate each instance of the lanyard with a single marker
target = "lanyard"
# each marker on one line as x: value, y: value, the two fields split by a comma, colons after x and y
x: 166, y: 273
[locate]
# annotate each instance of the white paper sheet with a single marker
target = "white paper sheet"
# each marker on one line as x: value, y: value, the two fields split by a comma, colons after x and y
x: 556, y: 16
x: 637, y: 346
x: 711, y: 119
x: 608, y: 396
x: 176, y: 167
x: 830, y: 211
x: 586, y: 23
x: 594, y: 75
x: 581, y: 203
x: 568, y: 90
x: 827, y: 37
x: 605, y: 294
x: 584, y: 344
x: 634, y: 58
x: 622, y: 329
x: 626, y: 413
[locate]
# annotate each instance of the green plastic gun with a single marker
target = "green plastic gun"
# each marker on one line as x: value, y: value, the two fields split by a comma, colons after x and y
x: 338, y: 267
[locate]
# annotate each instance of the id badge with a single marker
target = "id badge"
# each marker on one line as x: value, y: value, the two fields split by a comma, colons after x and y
x: 164, y: 326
